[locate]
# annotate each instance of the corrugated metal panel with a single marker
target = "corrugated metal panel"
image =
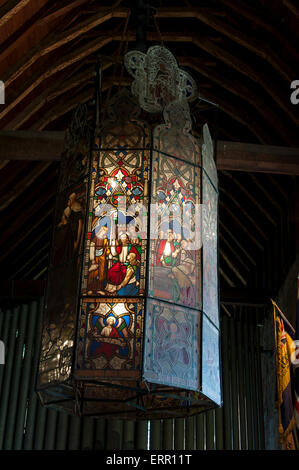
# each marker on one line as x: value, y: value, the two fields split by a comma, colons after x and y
x: 25, y: 424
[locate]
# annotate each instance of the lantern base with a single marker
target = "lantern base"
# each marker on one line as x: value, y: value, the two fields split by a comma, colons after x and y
x: 119, y: 400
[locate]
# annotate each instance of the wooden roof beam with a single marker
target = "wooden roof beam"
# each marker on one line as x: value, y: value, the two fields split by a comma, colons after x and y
x: 227, y: 208
x: 228, y: 261
x: 40, y: 76
x: 238, y: 36
x: 223, y: 55
x: 52, y: 92
x: 242, y: 91
x: 249, y: 195
x: 204, y: 43
x: 15, y: 242
x: 22, y: 185
x: 31, y: 145
x: 65, y: 107
x: 244, y: 68
x: 245, y: 10
x: 237, y: 156
x: 290, y: 5
x: 39, y: 25
x: 237, y: 114
x: 250, y: 218
x: 10, y: 9
x: 231, y: 156
x: 228, y: 233
x: 56, y: 40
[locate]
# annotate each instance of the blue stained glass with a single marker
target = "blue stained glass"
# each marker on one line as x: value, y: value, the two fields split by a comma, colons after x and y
x: 211, y: 382
x: 171, y: 355
x: 210, y: 256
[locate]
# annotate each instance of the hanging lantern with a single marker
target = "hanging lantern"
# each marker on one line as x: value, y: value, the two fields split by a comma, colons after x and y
x: 131, y: 322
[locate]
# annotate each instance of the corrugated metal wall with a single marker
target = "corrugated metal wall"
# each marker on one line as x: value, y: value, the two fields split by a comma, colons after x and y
x: 25, y: 424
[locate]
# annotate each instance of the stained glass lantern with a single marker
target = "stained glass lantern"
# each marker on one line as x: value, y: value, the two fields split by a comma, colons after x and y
x: 131, y: 323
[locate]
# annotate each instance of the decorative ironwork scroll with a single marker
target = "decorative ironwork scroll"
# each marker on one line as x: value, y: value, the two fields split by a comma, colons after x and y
x: 158, y: 79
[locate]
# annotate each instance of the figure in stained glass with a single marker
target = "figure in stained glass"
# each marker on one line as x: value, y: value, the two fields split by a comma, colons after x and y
x: 111, y: 334
x: 171, y: 355
x: 175, y: 266
x: 174, y: 136
x: 68, y: 231
x: 99, y: 251
x: 211, y: 384
x: 129, y: 285
x: 183, y: 273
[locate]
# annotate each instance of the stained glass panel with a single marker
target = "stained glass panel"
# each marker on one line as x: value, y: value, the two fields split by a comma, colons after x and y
x: 75, y: 157
x: 58, y: 325
x: 208, y: 161
x: 114, y: 261
x: 175, y: 262
x: 172, y: 347
x: 174, y: 137
x: 211, y: 381
x: 62, y: 286
x: 210, y: 254
x: 67, y: 241
x: 110, y: 337
x: 74, y: 164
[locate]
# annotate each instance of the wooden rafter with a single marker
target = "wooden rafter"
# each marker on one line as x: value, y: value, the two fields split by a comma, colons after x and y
x: 238, y: 36
x: 250, y: 218
x: 10, y: 9
x: 40, y: 25
x: 83, y: 97
x: 29, y: 145
x: 242, y: 67
x: 237, y: 114
x: 51, y: 93
x: 25, y: 182
x: 250, y: 196
x: 245, y: 10
x: 56, y: 40
x: 240, y: 90
x: 290, y: 5
x: 228, y: 233
x: 10, y: 248
x: 231, y: 156
x: 233, y: 252
x: 204, y: 43
x: 227, y: 208
x: 257, y: 158
x: 62, y: 64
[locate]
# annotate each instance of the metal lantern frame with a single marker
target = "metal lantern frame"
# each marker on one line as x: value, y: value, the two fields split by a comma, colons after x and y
x: 131, y: 324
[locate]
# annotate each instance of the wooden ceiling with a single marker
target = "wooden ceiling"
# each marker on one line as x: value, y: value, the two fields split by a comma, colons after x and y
x: 243, y: 56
